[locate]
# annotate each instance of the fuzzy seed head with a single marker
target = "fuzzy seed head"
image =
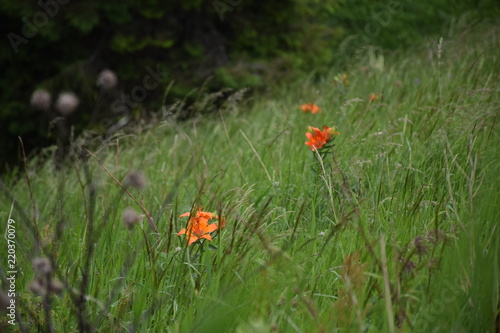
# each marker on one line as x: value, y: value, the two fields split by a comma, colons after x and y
x: 42, y: 266
x: 67, y: 102
x: 41, y: 99
x: 37, y: 287
x: 130, y: 217
x: 136, y: 179
x: 56, y: 286
x: 107, y: 79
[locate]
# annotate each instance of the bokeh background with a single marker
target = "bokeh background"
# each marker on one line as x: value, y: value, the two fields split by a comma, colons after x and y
x: 159, y: 53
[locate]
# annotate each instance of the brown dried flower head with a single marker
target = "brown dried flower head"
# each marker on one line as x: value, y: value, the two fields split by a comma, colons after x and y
x: 67, y: 102
x: 107, y: 79
x: 42, y: 286
x: 434, y: 236
x: 42, y: 266
x: 130, y: 217
x: 56, y: 286
x: 420, y: 246
x: 37, y: 287
x: 41, y: 99
x: 136, y: 179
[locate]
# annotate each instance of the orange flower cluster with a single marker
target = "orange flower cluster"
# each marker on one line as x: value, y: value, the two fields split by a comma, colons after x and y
x: 198, y: 227
x: 318, y: 138
x: 310, y: 107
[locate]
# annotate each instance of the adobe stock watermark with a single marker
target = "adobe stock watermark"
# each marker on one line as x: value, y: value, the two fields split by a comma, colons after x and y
x: 437, y: 306
x: 30, y: 28
x: 123, y: 105
x: 224, y: 6
x: 10, y: 237
x: 380, y: 19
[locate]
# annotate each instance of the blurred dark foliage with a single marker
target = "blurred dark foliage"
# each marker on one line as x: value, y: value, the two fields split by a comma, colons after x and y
x: 63, y: 45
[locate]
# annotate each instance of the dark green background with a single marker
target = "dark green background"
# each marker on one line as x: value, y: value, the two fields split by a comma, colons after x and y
x: 236, y: 43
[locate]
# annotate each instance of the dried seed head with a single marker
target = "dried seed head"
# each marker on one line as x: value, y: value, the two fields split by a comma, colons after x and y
x: 107, y: 79
x: 37, y: 287
x: 420, y: 247
x: 409, y: 267
x: 41, y: 99
x: 67, y: 102
x: 436, y: 235
x: 56, y: 286
x: 433, y: 264
x: 136, y: 179
x: 130, y: 217
x: 42, y: 266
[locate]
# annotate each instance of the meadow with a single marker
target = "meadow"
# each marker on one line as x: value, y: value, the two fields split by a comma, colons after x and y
x: 393, y: 228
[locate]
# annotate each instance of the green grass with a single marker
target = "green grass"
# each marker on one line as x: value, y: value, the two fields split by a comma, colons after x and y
x: 397, y: 231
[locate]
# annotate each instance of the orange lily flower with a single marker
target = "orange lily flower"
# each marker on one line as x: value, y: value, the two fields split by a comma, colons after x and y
x: 318, y: 138
x: 310, y: 107
x: 198, y: 227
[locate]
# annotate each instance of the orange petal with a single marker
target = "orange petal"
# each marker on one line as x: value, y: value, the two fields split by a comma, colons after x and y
x: 185, y: 214
x: 311, y: 145
x: 201, y: 223
x: 192, y: 239
x: 317, y: 131
x: 207, y: 236
x: 211, y: 228
x: 202, y: 219
x: 207, y: 215
x: 182, y: 232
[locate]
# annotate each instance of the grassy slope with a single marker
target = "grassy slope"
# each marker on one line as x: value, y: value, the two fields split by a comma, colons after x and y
x: 415, y: 183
